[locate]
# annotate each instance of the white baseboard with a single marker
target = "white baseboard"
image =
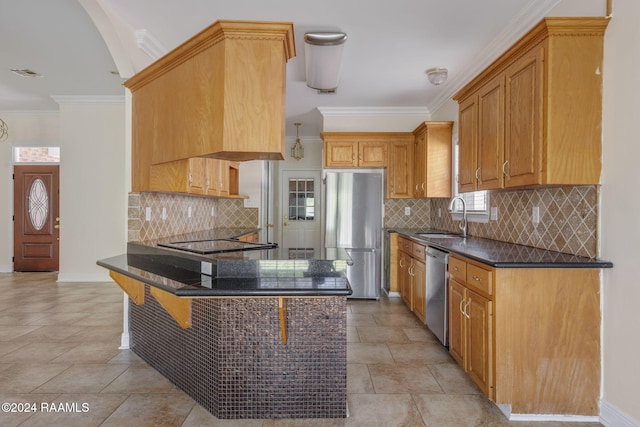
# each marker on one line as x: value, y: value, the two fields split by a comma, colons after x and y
x: 555, y: 418
x: 125, y: 341
x: 393, y: 294
x: 610, y: 416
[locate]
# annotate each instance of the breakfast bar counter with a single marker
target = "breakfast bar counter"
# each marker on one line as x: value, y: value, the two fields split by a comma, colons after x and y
x: 246, y: 334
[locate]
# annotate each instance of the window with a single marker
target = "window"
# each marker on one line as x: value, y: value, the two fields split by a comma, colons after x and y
x: 36, y: 154
x: 301, y: 199
x: 477, y: 201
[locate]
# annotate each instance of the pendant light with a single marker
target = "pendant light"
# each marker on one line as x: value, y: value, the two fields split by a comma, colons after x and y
x: 297, y: 150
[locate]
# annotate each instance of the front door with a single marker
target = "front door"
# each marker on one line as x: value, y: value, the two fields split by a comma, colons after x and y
x: 36, y: 218
x: 300, y: 210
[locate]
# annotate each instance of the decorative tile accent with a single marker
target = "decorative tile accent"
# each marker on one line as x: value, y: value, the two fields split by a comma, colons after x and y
x: 568, y: 219
x: 394, y: 216
x: 206, y: 213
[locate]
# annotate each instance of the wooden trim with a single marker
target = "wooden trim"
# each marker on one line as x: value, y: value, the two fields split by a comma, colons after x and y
x: 178, y: 307
x: 282, y: 310
x: 132, y: 287
x: 359, y: 135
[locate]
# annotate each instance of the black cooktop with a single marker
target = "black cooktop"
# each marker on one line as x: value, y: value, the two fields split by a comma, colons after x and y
x: 217, y: 246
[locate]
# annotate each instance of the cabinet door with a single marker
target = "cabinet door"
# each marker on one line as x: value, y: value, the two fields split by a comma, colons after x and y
x: 197, y: 179
x: 420, y: 290
x: 467, y: 144
x: 212, y: 172
x: 372, y: 154
x: 405, y: 279
x: 479, y: 340
x: 400, y: 170
x: 457, y: 321
x: 340, y: 153
x: 491, y: 134
x: 419, y: 165
x: 523, y: 132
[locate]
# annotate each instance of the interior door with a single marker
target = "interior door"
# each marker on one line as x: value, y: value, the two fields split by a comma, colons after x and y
x: 300, y: 209
x: 36, y: 218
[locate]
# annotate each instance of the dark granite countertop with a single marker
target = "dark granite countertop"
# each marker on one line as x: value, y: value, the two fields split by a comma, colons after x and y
x: 502, y: 254
x: 255, y: 273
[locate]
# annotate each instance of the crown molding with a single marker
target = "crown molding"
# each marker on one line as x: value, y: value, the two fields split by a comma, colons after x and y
x: 373, y: 111
x: 528, y: 18
x: 75, y: 99
x: 149, y: 44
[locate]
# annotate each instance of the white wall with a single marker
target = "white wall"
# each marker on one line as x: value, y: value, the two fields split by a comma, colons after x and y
x: 26, y: 129
x: 93, y: 179
x: 620, y: 211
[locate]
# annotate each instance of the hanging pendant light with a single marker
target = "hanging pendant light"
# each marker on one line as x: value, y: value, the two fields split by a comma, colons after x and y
x: 297, y: 150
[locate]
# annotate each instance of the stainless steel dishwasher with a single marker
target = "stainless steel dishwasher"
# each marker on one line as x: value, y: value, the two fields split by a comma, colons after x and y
x: 437, y: 301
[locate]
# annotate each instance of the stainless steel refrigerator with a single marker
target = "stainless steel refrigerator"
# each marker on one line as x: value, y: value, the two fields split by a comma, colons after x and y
x: 353, y: 222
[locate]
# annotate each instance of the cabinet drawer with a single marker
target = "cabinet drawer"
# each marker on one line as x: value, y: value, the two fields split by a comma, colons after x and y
x: 480, y: 279
x: 458, y: 269
x: 419, y: 251
x: 406, y: 245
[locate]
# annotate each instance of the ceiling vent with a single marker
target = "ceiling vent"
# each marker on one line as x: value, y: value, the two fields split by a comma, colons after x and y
x: 25, y: 72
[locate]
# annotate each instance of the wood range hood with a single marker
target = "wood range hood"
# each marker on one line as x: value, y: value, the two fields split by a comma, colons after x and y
x: 220, y: 94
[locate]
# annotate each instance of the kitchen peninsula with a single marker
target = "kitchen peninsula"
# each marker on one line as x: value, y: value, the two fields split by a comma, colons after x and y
x: 246, y: 334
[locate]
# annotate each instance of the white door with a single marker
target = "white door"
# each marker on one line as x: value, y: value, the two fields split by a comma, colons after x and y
x: 300, y: 210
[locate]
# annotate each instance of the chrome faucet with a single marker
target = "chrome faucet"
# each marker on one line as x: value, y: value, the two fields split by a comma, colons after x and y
x: 462, y: 226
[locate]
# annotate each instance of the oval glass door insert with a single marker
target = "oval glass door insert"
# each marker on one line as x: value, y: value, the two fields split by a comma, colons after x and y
x: 38, y: 204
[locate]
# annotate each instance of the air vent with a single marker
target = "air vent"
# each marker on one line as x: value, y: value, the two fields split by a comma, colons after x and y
x: 25, y: 72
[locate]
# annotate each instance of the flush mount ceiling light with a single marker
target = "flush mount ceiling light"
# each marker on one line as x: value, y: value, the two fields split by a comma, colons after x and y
x: 437, y: 75
x: 25, y: 72
x: 297, y: 150
x: 323, y: 51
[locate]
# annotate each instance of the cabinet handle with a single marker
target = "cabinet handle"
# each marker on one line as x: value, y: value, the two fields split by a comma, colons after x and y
x: 423, y: 186
x: 476, y: 278
x: 461, y: 310
x: 477, y: 172
x: 466, y: 313
x: 504, y: 169
x: 456, y: 269
x: 417, y: 187
x: 190, y: 179
x: 360, y: 157
x: 401, y: 263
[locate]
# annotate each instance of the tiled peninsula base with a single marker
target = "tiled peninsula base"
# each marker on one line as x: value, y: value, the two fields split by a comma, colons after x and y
x: 233, y: 362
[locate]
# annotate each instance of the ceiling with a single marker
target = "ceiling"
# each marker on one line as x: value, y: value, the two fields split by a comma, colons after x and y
x: 390, y: 45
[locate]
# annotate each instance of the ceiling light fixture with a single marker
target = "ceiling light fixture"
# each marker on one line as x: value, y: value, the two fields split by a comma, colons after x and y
x: 297, y: 150
x: 4, y: 130
x: 437, y: 75
x: 25, y: 72
x: 323, y: 51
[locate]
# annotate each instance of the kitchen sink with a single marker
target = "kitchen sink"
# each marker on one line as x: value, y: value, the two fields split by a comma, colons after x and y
x: 438, y: 235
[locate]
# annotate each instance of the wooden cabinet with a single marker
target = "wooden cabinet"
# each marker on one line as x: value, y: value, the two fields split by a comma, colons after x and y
x: 220, y: 94
x: 432, y: 160
x: 528, y: 337
x: 353, y: 149
x: 400, y: 169
x: 251, y: 237
x: 533, y: 117
x: 411, y: 276
x: 197, y: 175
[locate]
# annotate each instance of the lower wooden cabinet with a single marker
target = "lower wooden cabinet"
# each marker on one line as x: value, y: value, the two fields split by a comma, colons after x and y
x: 411, y: 276
x: 252, y: 237
x: 528, y: 337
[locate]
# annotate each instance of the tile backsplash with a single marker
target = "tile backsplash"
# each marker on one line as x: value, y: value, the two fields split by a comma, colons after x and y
x: 568, y: 219
x: 206, y: 213
x: 419, y: 217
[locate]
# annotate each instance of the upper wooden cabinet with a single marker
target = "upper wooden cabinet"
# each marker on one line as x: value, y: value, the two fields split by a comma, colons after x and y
x: 352, y: 149
x: 197, y: 175
x: 400, y: 169
x: 220, y: 94
x: 534, y: 116
x: 432, y: 160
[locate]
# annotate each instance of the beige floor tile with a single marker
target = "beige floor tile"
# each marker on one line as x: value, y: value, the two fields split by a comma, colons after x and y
x: 84, y: 410
x: 388, y: 334
x: 453, y: 410
x: 394, y: 379
x: 452, y: 379
x: 421, y: 334
x: 314, y: 422
x: 127, y: 357
x: 418, y: 353
x: 352, y: 334
x: 12, y: 318
x: 199, y: 417
x: 62, y: 318
x: 38, y: 352
x: 90, y: 352
x: 110, y: 334
x: 8, y: 333
x: 139, y: 379
x: 83, y: 379
x: 52, y: 333
x: 361, y: 319
x: 384, y: 410
x: 10, y: 346
x: 20, y: 378
x: 20, y: 416
x: 359, y: 379
x: 405, y: 320
x: 151, y: 410
x: 368, y: 353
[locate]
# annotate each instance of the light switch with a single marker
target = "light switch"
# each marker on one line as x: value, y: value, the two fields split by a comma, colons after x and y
x: 147, y: 214
x: 189, y: 213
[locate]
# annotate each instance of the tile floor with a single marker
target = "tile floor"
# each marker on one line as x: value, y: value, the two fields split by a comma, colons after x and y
x: 59, y: 345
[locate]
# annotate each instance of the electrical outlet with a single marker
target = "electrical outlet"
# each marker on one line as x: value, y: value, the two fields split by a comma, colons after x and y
x: 439, y: 212
x: 147, y: 213
x: 164, y: 213
x: 494, y: 213
x: 407, y: 210
x: 189, y: 213
x: 535, y: 215
x: 213, y: 211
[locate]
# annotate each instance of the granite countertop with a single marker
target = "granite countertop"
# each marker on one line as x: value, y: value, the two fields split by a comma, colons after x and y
x: 502, y: 254
x: 269, y: 272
